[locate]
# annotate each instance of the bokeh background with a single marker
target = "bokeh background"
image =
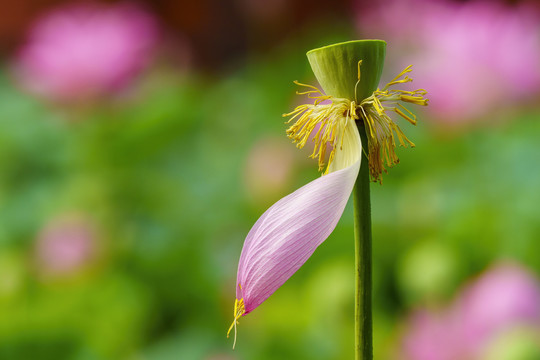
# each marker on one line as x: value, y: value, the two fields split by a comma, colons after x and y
x: 139, y: 141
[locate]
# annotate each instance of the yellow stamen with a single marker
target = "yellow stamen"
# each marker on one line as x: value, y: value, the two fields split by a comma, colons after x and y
x: 417, y: 100
x: 358, y: 82
x: 307, y: 85
x: 405, y: 116
x: 396, y: 81
x: 239, y: 310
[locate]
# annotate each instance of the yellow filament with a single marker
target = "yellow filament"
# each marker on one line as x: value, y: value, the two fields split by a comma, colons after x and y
x: 358, y: 82
x: 405, y: 116
x: 239, y: 310
x: 396, y: 81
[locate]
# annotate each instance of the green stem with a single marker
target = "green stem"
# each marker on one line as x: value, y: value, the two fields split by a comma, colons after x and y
x: 362, y: 244
x: 336, y: 67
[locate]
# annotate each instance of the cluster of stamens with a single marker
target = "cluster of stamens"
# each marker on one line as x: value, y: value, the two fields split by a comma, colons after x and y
x: 328, y: 122
x: 381, y: 130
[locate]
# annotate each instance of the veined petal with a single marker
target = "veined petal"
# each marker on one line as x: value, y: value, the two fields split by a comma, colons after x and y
x: 288, y: 233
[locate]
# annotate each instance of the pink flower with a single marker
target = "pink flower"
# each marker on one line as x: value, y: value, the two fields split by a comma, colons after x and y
x: 504, y: 297
x: 269, y: 168
x: 65, y: 245
x: 432, y: 335
x: 474, y: 57
x: 288, y: 233
x: 85, y: 50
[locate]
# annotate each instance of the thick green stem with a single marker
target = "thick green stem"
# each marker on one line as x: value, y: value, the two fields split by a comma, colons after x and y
x: 362, y: 244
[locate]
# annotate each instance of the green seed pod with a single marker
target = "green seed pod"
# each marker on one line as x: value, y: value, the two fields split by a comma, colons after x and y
x: 336, y: 68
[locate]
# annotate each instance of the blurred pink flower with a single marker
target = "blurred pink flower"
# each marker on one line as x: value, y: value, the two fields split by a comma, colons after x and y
x: 432, y: 335
x: 269, y: 168
x: 65, y: 245
x: 504, y: 297
x: 84, y: 50
x: 474, y: 57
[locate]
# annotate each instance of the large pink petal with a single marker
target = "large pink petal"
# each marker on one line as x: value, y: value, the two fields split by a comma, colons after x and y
x: 288, y: 233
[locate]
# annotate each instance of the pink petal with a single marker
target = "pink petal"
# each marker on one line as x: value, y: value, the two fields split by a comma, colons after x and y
x: 288, y: 233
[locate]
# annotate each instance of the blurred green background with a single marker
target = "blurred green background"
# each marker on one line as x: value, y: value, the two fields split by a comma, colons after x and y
x: 122, y: 216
